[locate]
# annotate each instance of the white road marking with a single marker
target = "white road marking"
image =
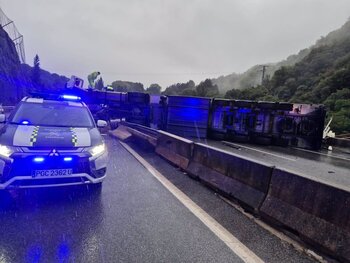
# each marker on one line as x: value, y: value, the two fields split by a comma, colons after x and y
x: 261, y: 151
x: 276, y: 233
x: 232, y: 242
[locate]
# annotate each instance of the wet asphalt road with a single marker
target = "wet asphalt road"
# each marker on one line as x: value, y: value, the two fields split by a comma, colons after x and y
x: 133, y: 219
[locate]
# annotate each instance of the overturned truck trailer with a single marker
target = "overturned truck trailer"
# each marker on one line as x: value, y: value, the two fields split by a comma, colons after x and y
x: 299, y: 125
x: 267, y: 123
x: 129, y: 106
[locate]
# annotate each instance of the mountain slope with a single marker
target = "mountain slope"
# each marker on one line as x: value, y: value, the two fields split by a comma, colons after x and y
x: 323, y: 76
x: 252, y: 77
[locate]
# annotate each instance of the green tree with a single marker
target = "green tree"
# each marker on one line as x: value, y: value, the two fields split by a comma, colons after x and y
x: 119, y: 88
x: 207, y: 89
x: 125, y: 86
x: 36, y: 71
x: 233, y: 94
x: 330, y: 102
x: 252, y: 93
x: 341, y: 116
x: 154, y: 89
x: 178, y: 88
x: 188, y: 92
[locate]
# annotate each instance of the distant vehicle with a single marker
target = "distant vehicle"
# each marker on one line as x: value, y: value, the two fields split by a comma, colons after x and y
x: 49, y: 142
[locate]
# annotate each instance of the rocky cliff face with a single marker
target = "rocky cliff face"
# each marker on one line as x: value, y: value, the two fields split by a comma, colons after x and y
x: 8, y: 56
x: 12, y: 82
x: 15, y: 78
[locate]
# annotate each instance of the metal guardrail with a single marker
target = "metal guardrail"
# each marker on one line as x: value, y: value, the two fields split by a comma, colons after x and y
x: 343, y: 136
x: 340, y: 142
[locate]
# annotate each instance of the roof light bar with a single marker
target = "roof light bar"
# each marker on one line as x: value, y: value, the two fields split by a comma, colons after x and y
x: 70, y: 97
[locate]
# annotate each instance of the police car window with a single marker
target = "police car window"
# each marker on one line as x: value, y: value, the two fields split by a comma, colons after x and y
x: 51, y: 114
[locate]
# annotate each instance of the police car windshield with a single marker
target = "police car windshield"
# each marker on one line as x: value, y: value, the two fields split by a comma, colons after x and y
x: 59, y: 114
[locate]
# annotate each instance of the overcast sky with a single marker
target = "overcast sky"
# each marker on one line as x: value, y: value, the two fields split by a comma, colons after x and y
x: 169, y: 41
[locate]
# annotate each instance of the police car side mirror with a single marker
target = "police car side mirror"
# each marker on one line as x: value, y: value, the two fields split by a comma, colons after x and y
x: 2, y: 118
x: 101, y: 124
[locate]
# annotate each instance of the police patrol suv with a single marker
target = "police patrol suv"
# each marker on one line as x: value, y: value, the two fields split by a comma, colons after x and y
x: 51, y: 142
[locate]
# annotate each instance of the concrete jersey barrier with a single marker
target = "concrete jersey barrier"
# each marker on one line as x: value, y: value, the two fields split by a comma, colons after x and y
x: 143, y: 137
x: 175, y: 149
x: 121, y: 133
x: 318, y: 212
x: 244, y: 179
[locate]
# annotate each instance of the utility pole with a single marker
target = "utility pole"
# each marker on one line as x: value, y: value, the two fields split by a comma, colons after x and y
x: 263, y: 73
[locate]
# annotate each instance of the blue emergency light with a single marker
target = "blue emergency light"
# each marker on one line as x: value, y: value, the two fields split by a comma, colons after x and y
x: 70, y: 97
x: 38, y: 159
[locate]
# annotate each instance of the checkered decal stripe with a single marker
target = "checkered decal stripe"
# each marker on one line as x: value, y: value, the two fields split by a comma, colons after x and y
x: 74, y: 137
x: 34, y: 135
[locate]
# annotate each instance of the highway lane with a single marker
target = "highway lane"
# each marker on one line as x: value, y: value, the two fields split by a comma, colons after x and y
x: 264, y: 244
x: 133, y: 219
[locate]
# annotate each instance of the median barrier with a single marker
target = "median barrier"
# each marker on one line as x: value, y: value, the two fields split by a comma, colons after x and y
x: 244, y: 179
x: 143, y: 136
x: 319, y: 213
x: 141, y: 128
x: 121, y: 133
x: 175, y: 149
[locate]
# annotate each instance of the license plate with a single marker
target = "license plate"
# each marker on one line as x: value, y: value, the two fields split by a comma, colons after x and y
x: 52, y: 172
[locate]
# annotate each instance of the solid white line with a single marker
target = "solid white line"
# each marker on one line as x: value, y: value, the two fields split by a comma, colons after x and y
x: 260, y: 151
x: 232, y: 242
x: 276, y: 233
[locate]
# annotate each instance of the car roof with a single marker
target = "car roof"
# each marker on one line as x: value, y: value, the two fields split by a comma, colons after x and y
x: 53, y: 101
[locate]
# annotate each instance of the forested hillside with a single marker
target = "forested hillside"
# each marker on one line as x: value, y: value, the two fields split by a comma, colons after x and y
x: 252, y: 77
x: 323, y: 76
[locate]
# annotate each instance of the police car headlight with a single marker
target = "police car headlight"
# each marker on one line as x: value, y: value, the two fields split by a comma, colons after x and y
x: 6, y: 151
x: 97, y: 150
